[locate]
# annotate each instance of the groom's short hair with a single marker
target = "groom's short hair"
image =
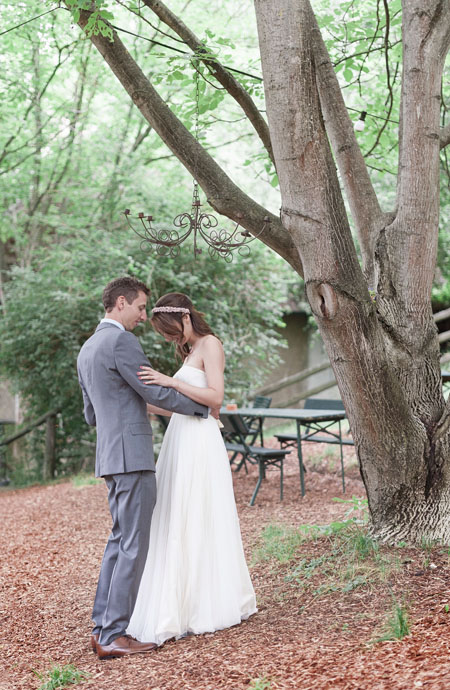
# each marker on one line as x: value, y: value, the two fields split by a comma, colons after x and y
x: 127, y: 286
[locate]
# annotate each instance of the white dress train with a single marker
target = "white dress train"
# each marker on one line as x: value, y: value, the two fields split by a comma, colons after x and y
x: 196, y: 579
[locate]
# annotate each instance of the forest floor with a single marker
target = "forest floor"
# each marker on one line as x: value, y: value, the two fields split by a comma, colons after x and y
x: 325, y: 596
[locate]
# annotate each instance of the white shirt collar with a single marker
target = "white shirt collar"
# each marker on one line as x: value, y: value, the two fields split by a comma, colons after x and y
x: 114, y: 322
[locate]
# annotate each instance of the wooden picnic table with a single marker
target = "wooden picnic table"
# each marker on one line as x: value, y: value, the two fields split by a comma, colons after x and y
x: 318, y: 419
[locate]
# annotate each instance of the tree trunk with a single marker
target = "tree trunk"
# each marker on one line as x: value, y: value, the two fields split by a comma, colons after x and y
x: 385, y: 355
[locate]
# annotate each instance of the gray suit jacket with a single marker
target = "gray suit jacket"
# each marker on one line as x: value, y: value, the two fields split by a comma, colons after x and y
x: 115, y: 400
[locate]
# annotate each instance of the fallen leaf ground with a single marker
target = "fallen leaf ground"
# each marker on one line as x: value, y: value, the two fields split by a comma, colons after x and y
x: 320, y: 612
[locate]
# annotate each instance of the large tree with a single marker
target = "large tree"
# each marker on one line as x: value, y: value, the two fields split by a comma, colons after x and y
x: 384, y: 350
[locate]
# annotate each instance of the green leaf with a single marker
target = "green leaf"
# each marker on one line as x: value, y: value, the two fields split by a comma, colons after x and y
x: 348, y: 74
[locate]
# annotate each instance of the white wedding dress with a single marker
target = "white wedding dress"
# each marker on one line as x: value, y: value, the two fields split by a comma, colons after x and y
x: 196, y: 579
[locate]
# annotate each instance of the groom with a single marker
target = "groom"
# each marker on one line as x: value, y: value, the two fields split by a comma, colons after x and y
x: 115, y: 402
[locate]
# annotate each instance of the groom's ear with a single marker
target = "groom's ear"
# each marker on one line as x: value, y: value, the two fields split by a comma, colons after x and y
x: 120, y: 302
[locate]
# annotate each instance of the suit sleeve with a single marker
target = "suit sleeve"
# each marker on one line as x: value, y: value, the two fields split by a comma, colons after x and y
x: 89, y: 413
x: 129, y: 356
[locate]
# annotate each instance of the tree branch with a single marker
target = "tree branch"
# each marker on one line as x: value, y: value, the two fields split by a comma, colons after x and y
x: 419, y: 145
x: 389, y: 102
x: 207, y: 148
x: 313, y: 208
x: 223, y: 195
x: 361, y: 196
x: 444, y: 137
x: 220, y: 73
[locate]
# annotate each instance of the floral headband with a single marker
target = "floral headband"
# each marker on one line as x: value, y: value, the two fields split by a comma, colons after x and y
x: 183, y: 310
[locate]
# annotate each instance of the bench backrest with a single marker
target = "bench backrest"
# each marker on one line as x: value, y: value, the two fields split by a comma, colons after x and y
x: 261, y: 401
x: 323, y: 404
x: 228, y: 427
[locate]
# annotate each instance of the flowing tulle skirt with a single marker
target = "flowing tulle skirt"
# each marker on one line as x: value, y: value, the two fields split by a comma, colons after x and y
x: 196, y: 579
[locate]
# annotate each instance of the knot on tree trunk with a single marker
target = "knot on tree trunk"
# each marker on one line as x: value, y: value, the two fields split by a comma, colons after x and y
x: 323, y: 300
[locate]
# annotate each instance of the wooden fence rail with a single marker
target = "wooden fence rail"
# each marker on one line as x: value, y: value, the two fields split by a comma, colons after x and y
x: 49, y: 418
x: 289, y: 380
x: 441, y: 315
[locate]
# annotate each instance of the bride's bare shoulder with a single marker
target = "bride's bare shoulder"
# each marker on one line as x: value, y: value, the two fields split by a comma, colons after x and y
x: 210, y: 343
x: 211, y: 340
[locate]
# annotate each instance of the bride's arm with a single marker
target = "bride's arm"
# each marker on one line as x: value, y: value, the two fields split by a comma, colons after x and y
x: 214, y: 361
x: 152, y: 409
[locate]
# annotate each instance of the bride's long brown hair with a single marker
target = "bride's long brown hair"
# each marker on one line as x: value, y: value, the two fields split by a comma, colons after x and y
x: 171, y: 323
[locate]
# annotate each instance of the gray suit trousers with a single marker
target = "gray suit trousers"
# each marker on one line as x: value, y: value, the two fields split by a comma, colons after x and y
x: 131, y: 498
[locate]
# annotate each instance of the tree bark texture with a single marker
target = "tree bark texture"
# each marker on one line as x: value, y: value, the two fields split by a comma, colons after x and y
x: 385, y: 355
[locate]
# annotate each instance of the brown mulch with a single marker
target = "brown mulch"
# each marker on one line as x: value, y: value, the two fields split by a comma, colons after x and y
x: 305, y: 635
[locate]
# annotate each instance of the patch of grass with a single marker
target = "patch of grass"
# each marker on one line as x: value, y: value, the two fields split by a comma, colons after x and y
x: 260, y: 684
x: 396, y: 626
x: 344, y: 586
x: 363, y: 545
x: 278, y: 542
x: 80, y: 480
x: 60, y: 676
x: 352, y: 559
x: 307, y: 567
x: 428, y: 544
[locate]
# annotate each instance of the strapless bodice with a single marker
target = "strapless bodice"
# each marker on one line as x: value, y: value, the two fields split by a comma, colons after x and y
x: 192, y: 375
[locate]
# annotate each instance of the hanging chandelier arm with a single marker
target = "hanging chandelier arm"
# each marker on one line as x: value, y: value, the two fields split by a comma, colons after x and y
x: 223, y: 195
x: 222, y: 75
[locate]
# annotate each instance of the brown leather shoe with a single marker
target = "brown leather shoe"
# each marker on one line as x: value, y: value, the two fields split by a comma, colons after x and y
x: 123, y: 646
x: 94, y: 640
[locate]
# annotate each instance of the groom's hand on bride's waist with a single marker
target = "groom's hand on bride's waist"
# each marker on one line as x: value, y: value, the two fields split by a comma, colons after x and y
x: 215, y: 411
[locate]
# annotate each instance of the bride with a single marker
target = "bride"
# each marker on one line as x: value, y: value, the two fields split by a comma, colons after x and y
x: 196, y: 579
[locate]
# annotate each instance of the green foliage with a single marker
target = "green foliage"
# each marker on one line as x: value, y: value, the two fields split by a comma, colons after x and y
x: 363, y: 545
x: 74, y: 84
x: 358, y: 510
x: 53, y: 306
x: 64, y: 183
x: 97, y: 22
x: 61, y: 676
